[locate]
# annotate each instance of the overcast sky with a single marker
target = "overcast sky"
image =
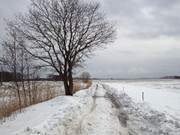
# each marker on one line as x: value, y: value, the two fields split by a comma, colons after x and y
x: 148, y: 39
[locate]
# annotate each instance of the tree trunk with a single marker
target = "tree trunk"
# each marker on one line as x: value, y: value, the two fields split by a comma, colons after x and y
x: 1, y: 77
x: 70, y: 81
x: 24, y: 92
x: 29, y: 85
x: 67, y: 85
x: 19, y: 96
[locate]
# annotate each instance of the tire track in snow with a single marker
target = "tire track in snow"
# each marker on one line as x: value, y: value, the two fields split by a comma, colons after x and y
x: 79, y: 129
x: 103, y: 116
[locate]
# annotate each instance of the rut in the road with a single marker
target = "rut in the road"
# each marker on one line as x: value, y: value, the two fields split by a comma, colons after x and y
x: 102, y: 117
x: 122, y: 115
x: 79, y: 129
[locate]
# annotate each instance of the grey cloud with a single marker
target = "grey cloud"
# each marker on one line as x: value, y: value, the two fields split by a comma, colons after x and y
x: 146, y: 18
x: 160, y: 3
x: 140, y: 18
x: 135, y: 68
x: 8, y: 9
x: 147, y: 44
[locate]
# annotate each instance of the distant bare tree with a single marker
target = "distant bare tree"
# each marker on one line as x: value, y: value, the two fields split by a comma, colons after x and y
x: 62, y: 33
x: 11, y: 59
x: 85, y: 76
x: 19, y: 63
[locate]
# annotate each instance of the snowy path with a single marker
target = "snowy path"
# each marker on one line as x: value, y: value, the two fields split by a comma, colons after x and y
x: 103, y: 116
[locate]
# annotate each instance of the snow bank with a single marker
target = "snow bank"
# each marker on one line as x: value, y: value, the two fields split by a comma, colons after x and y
x: 48, y: 117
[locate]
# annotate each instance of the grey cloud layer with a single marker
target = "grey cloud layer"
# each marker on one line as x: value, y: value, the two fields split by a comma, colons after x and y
x: 8, y: 8
x: 148, y: 40
x: 146, y: 18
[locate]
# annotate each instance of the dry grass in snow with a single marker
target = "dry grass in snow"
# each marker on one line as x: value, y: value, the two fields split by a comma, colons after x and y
x: 39, y: 92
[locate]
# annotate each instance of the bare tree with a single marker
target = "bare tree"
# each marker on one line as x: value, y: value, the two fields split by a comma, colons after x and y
x: 85, y: 76
x: 19, y: 63
x: 28, y: 76
x: 62, y: 33
x: 11, y: 59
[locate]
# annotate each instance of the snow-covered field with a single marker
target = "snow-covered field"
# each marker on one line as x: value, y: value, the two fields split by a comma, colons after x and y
x: 161, y: 95
x: 146, y: 117
x: 106, y: 108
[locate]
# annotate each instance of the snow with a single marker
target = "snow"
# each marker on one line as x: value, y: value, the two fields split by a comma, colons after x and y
x: 162, y: 95
x: 106, y: 108
x: 103, y: 116
x: 87, y: 112
x: 152, y: 117
x: 38, y: 115
x: 142, y: 119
